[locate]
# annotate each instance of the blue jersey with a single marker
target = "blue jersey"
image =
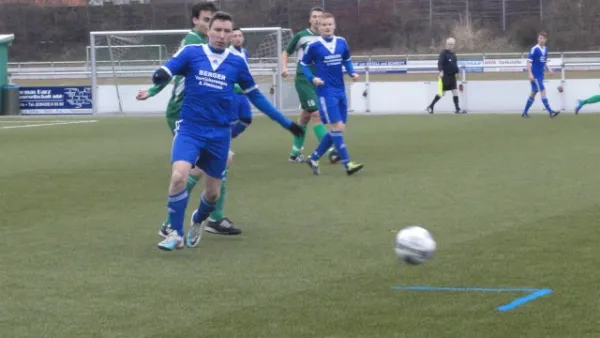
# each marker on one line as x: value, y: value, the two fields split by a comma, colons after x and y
x: 209, y: 83
x: 538, y: 57
x: 328, y: 58
x: 243, y: 52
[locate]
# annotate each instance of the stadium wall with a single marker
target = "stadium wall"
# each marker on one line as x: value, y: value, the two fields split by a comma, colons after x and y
x: 400, y: 97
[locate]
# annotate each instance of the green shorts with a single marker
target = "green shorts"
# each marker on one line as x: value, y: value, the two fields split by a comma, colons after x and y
x: 173, y: 114
x: 306, y: 94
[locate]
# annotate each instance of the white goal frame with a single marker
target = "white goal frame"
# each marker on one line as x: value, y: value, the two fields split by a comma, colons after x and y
x: 278, y: 100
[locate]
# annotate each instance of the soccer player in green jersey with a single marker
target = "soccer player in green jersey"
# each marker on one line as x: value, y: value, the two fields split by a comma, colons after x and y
x: 589, y: 100
x: 201, y: 15
x: 305, y: 89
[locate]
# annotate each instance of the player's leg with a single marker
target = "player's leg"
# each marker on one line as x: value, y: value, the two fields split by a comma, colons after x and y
x: 590, y: 100
x: 217, y: 222
x: 531, y: 99
x: 185, y: 151
x: 453, y: 87
x: 438, y: 96
x: 213, y: 161
x: 308, y: 104
x: 545, y: 101
x: 195, y: 174
x: 334, y: 112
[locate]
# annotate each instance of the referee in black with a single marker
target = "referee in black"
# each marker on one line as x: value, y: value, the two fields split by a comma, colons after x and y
x: 448, y: 67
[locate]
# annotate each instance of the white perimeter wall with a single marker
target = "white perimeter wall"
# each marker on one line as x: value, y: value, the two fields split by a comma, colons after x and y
x: 400, y: 97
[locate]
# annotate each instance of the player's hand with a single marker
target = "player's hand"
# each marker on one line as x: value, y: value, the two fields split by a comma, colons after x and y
x: 442, y: 74
x: 530, y: 77
x: 354, y: 77
x: 142, y: 95
x: 550, y: 71
x: 285, y: 73
x: 295, y: 129
x: 318, y: 82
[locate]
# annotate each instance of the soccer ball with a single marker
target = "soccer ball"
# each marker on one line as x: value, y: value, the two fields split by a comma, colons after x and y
x: 414, y: 245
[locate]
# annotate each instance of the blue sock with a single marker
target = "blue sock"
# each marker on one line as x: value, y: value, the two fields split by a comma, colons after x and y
x: 340, y: 146
x: 546, y: 104
x: 322, y: 148
x: 530, y: 101
x: 177, y: 204
x: 204, y: 210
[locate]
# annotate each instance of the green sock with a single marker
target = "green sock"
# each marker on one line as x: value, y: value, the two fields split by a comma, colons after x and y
x: 191, y: 183
x: 592, y: 99
x: 320, y: 131
x: 298, y: 143
x: 217, y: 214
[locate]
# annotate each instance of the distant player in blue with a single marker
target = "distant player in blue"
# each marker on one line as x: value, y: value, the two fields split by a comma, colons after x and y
x: 536, y: 66
x: 328, y: 54
x: 203, y: 134
x: 241, y: 103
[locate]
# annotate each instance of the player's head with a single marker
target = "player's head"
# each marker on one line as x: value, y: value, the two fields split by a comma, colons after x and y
x: 450, y: 43
x: 220, y: 28
x: 237, y: 37
x: 313, y: 17
x: 542, y: 37
x: 201, y: 14
x: 327, y: 25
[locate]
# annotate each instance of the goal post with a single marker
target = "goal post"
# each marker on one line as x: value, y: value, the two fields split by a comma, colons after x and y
x: 121, y: 62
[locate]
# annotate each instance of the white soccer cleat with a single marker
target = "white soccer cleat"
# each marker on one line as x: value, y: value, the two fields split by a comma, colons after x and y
x: 194, y: 235
x: 171, y: 242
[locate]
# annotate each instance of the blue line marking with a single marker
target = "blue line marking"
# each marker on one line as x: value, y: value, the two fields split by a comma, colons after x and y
x: 523, y: 300
x: 533, y: 293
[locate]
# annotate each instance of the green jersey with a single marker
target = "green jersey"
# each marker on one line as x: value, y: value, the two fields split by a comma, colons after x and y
x: 299, y: 44
x: 192, y: 38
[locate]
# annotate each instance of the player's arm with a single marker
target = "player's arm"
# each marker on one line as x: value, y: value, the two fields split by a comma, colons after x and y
x: 250, y: 88
x: 347, y: 62
x: 441, y: 60
x: 530, y: 63
x: 177, y: 65
x: 285, y: 56
x: 307, y: 60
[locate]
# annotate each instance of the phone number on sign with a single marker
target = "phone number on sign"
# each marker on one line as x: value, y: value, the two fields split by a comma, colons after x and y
x: 43, y: 104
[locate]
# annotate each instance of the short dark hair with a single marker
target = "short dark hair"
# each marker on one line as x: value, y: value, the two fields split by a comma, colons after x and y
x: 221, y: 16
x: 542, y: 33
x: 316, y: 9
x: 203, y: 7
x: 236, y: 29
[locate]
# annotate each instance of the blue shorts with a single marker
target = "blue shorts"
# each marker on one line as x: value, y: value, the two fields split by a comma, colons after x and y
x: 537, y: 85
x: 242, y: 108
x: 205, y: 147
x: 333, y: 108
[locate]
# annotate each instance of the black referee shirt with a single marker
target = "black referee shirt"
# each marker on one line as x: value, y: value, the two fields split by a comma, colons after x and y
x: 448, y: 63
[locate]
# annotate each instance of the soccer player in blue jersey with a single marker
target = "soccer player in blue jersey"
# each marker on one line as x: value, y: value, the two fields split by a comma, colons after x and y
x: 329, y: 53
x: 203, y: 134
x: 536, y: 66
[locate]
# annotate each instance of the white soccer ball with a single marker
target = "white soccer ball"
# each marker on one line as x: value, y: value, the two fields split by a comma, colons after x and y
x: 414, y: 245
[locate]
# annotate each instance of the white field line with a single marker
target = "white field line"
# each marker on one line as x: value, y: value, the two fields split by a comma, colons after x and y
x: 48, y: 124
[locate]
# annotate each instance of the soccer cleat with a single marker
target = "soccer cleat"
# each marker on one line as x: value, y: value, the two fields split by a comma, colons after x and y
x: 354, y: 168
x: 554, y: 114
x: 525, y: 115
x: 224, y: 226
x: 579, y: 106
x: 334, y: 157
x: 298, y: 158
x: 430, y: 109
x: 194, y: 234
x: 314, y: 165
x: 165, y: 230
x: 172, y: 242
x: 458, y: 111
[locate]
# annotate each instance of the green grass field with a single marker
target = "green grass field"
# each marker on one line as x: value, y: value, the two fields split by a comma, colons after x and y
x: 511, y: 203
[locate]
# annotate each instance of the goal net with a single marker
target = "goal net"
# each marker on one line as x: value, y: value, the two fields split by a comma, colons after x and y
x: 122, y: 62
